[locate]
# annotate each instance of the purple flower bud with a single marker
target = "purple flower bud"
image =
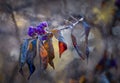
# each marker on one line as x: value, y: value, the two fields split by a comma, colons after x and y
x: 43, y: 24
x: 40, y: 28
x: 32, y: 31
x: 40, y: 31
x: 44, y: 37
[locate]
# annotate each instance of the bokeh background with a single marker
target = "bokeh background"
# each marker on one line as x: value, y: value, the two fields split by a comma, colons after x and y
x: 102, y: 15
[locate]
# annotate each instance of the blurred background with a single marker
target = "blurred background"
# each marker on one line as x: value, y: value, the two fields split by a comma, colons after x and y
x: 104, y: 40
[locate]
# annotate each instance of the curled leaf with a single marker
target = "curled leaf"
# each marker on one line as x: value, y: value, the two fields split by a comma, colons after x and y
x: 49, y: 47
x: 23, y: 54
x: 76, y: 46
x: 62, y: 45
